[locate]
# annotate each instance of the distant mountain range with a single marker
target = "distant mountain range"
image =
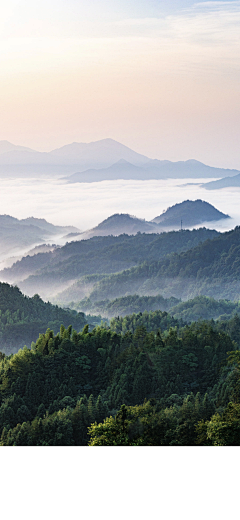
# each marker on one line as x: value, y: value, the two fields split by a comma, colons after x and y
x: 119, y: 242
x: 152, y: 169
x: 226, y: 182
x: 68, y: 158
x: 17, y: 235
x: 106, y: 159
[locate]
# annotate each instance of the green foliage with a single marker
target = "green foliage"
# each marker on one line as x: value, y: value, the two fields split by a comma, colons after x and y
x: 224, y: 429
x: 125, y: 305
x: 136, y: 386
x: 22, y: 318
x: 152, y: 321
x: 205, y: 308
x: 150, y: 424
x: 97, y: 257
x: 211, y: 268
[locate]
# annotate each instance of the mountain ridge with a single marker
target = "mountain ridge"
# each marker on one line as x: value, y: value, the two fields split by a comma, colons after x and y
x: 99, y: 155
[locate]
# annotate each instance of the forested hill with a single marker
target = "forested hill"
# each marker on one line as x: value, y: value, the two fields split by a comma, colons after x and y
x: 125, y: 305
x: 199, y: 308
x: 190, y: 212
x: 46, y: 273
x: 168, y: 386
x: 22, y: 318
x: 211, y: 268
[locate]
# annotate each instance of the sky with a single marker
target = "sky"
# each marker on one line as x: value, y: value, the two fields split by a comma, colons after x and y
x: 160, y: 77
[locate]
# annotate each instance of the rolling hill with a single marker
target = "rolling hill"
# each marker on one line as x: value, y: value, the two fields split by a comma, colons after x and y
x: 191, y: 213
x: 117, y: 225
x: 23, y: 318
x: 211, y: 269
x: 18, y: 235
x: 185, y: 214
x: 53, y: 272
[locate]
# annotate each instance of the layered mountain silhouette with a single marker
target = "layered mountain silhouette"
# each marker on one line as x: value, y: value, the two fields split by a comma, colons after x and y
x: 18, y: 235
x: 67, y: 159
x: 226, y: 182
x: 106, y: 159
x: 119, y: 242
x: 185, y: 214
x: 94, y: 259
x: 152, y: 169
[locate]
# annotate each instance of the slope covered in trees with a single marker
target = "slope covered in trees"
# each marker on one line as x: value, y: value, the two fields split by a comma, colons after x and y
x: 205, y: 308
x: 23, y: 318
x: 199, y: 308
x: 211, y: 268
x: 48, y: 272
x: 175, y: 386
x: 125, y: 305
x: 190, y: 212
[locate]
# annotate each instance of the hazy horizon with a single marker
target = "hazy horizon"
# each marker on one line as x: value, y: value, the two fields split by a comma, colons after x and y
x: 160, y: 77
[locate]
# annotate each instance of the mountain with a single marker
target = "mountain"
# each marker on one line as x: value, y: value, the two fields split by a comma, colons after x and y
x: 204, y: 308
x: 52, y: 272
x: 226, y: 182
x: 126, y: 305
x: 190, y: 213
x: 120, y: 170
x: 185, y: 169
x: 16, y: 236
x: 5, y: 147
x: 99, y: 154
x: 23, y: 318
x: 198, y: 308
x: 117, y: 225
x: 46, y: 226
x: 146, y: 380
x: 100, y: 160
x: 211, y: 269
x: 153, y: 169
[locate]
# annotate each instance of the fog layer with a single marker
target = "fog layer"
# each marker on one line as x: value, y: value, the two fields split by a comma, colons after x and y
x: 86, y: 205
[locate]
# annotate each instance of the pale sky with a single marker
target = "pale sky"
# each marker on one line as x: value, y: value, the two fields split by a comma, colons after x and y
x: 162, y: 77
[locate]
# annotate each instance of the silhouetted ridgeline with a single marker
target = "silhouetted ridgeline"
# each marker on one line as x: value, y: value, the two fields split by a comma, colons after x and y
x: 211, y: 268
x: 99, y: 255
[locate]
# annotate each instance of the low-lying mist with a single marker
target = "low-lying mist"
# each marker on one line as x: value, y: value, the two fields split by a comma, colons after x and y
x: 86, y: 205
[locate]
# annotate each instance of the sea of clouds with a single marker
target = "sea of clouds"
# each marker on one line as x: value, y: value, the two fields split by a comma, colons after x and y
x: 85, y: 205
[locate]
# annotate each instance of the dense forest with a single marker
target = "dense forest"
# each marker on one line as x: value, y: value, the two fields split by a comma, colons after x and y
x: 200, y: 307
x: 144, y: 367
x: 211, y: 268
x: 125, y: 305
x: 175, y: 385
x: 22, y: 318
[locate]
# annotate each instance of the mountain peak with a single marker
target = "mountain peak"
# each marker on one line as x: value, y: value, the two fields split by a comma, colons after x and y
x: 190, y: 213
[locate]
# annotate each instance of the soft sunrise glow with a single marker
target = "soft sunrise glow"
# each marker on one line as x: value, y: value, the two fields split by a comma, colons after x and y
x: 164, y: 82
